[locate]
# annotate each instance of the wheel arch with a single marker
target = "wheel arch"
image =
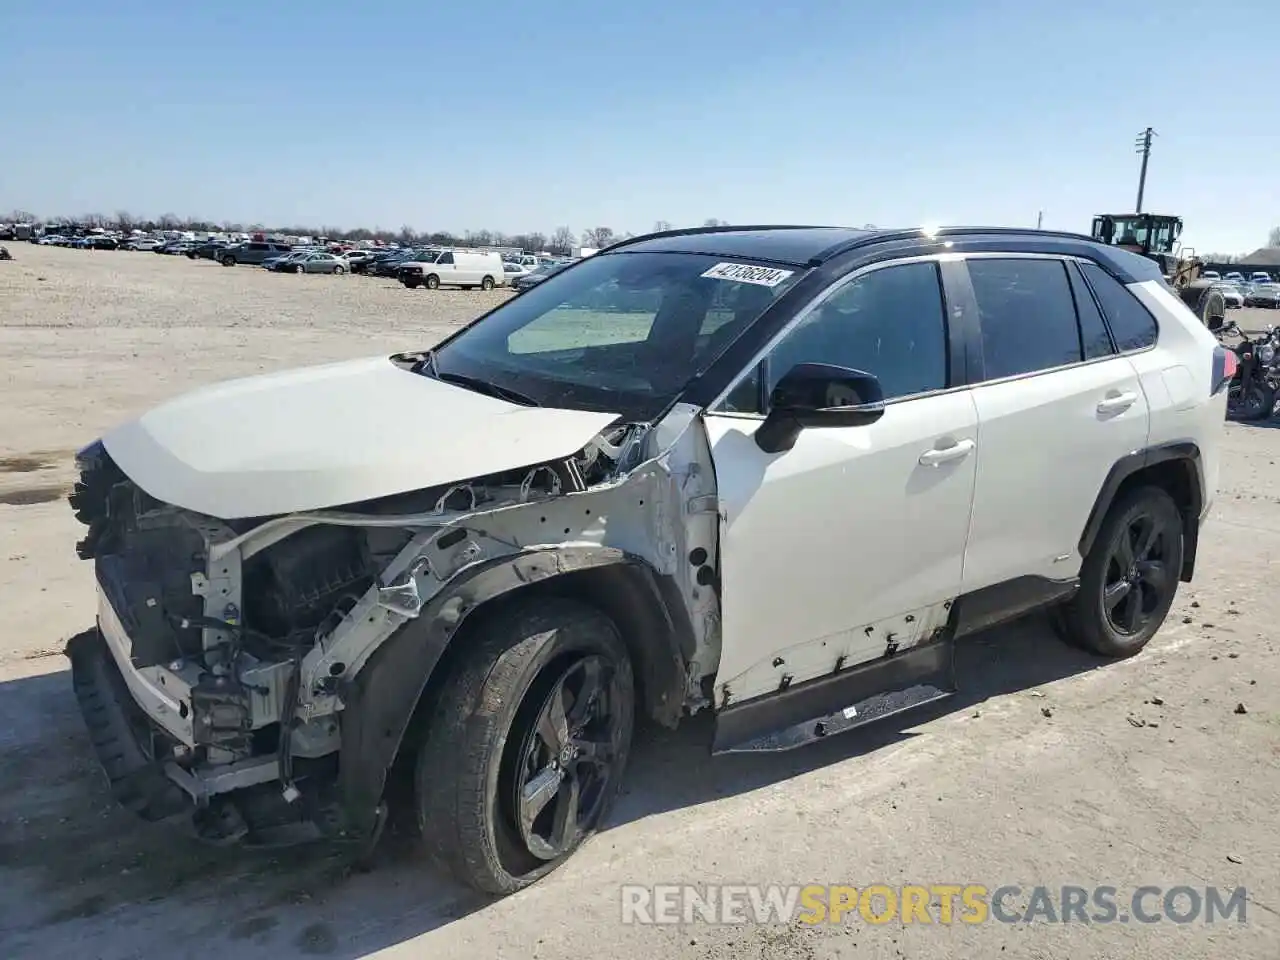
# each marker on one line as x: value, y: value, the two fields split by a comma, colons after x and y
x: 1177, y: 469
x: 395, y: 688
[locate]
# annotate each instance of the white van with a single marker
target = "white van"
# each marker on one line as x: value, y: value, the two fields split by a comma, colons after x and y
x: 454, y: 268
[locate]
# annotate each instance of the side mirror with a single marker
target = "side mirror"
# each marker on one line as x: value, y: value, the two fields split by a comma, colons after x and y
x: 818, y: 395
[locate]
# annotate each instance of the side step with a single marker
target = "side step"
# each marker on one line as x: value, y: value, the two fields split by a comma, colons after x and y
x: 838, y: 702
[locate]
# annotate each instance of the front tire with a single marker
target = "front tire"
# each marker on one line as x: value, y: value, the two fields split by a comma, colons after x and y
x: 299, y: 269
x: 433, y: 282
x: 1129, y: 579
x: 525, y: 751
x: 228, y: 261
x: 339, y: 270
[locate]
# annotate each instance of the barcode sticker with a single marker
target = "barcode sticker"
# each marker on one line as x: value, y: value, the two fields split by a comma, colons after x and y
x: 746, y: 273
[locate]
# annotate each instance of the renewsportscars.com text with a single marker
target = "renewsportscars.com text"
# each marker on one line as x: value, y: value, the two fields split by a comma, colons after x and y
x: 937, y: 903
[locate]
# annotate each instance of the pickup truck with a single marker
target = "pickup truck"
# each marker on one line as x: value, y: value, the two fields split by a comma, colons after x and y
x: 253, y: 252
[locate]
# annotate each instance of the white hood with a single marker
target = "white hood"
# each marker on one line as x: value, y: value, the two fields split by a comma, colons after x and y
x: 330, y: 435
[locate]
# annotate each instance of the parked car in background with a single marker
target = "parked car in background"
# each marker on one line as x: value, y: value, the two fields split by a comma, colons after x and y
x: 362, y: 264
x: 454, y: 268
x: 355, y: 257
x: 292, y: 256
x: 1210, y: 275
x: 537, y: 275
x: 253, y: 252
x: 1231, y: 294
x: 1263, y: 295
x: 386, y: 266
x: 97, y: 242
x: 513, y: 270
x: 1235, y: 276
x: 1259, y: 276
x: 208, y: 249
x: 142, y: 243
x: 311, y: 263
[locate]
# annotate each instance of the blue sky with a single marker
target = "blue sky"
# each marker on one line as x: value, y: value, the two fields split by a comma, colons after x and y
x: 516, y: 117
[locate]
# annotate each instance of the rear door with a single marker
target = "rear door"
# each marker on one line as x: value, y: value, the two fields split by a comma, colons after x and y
x: 1057, y: 408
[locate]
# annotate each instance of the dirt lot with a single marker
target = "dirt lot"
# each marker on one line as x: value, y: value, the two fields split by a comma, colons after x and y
x: 1050, y: 768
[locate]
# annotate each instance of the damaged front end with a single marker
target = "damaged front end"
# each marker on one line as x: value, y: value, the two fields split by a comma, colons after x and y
x: 265, y: 671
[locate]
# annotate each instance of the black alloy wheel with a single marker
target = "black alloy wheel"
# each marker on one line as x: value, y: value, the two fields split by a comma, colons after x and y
x: 562, y: 770
x: 1138, y: 577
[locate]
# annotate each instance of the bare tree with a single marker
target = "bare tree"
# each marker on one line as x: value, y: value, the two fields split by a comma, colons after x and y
x: 1273, y: 238
x: 406, y: 234
x: 167, y: 221
x: 661, y: 225
x: 713, y: 222
x: 534, y: 242
x: 21, y: 216
x: 561, y: 241
x: 597, y: 237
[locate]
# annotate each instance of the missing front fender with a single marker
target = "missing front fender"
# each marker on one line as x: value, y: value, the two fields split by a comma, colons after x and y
x: 383, y: 698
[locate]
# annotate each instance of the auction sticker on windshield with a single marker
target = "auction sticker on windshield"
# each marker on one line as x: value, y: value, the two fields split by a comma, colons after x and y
x: 746, y: 273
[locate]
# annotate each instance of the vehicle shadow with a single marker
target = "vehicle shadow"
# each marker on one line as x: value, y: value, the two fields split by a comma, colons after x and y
x: 79, y: 874
x: 1017, y: 656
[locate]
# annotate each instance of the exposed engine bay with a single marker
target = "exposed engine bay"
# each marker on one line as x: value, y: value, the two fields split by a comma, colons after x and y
x: 239, y: 640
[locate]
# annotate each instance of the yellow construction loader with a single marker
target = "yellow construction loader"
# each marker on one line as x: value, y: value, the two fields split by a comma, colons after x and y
x: 1156, y: 236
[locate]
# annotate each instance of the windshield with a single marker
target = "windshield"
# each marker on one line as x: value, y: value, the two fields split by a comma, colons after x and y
x: 621, y: 332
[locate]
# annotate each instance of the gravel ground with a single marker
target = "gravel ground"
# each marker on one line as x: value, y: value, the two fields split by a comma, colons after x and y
x: 1050, y: 768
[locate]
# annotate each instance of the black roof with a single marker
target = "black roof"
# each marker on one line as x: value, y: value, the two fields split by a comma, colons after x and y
x: 796, y: 246
x: 810, y: 246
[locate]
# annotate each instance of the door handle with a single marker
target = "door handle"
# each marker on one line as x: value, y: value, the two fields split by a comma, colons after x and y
x: 940, y: 455
x: 1118, y: 403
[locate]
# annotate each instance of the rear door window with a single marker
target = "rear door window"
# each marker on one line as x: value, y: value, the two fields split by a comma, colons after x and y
x: 1027, y: 314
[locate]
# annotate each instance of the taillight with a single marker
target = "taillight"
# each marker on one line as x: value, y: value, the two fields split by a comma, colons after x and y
x: 1225, y: 365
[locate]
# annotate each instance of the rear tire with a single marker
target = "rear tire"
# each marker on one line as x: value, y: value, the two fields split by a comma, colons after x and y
x: 299, y: 269
x: 486, y: 283
x: 1129, y: 579
x: 526, y: 747
x: 228, y: 261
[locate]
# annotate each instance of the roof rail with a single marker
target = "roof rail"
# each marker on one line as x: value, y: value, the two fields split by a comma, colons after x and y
x: 724, y: 228
x: 880, y: 236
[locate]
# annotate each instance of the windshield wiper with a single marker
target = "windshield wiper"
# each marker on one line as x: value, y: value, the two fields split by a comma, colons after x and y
x: 484, y: 386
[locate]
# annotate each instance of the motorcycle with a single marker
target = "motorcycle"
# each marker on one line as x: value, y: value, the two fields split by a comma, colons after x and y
x: 1251, y: 394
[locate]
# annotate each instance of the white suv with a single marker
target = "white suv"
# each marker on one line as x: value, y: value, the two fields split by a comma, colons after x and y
x: 776, y: 472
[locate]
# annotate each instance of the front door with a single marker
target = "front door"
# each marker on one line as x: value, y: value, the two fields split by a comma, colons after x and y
x: 849, y: 545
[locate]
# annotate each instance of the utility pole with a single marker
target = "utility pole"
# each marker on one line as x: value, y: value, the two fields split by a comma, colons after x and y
x: 1039, y: 219
x: 1143, y: 145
